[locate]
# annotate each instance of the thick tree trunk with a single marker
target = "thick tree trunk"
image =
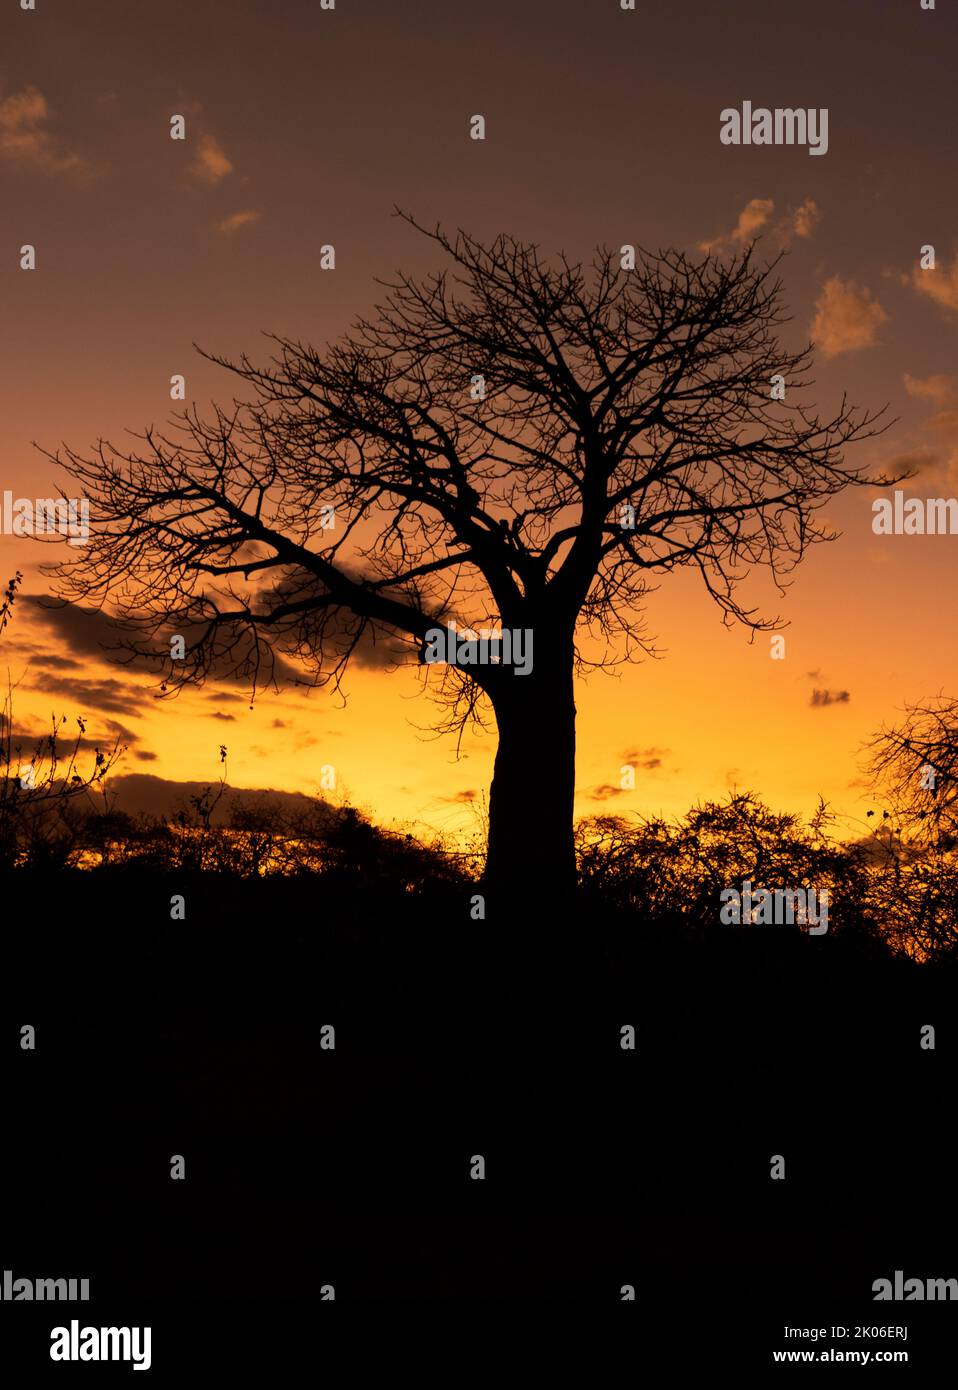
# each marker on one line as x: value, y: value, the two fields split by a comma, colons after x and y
x: 531, y: 855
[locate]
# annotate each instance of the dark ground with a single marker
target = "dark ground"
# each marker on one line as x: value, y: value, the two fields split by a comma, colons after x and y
x: 605, y: 1167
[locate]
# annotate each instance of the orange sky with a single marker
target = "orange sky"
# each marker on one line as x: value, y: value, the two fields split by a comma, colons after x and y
x: 306, y: 127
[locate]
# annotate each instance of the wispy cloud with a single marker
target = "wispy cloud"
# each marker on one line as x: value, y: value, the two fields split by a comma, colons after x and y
x: 756, y: 216
x: 96, y: 733
x: 942, y: 392
x: 821, y: 698
x: 605, y: 791
x: 116, y: 697
x: 805, y: 218
x: 847, y: 317
x: 463, y: 798
x: 237, y: 221
x: 211, y: 164
x: 25, y: 140
x: 946, y: 420
x: 937, y: 388
x: 939, y: 284
x: 751, y: 220
x: 647, y: 758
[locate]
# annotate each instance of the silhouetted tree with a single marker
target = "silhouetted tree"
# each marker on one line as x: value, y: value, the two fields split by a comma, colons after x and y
x: 914, y: 767
x: 675, y: 871
x: 508, y: 441
x: 45, y: 795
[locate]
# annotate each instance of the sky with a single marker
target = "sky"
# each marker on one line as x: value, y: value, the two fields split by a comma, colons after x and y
x: 307, y: 126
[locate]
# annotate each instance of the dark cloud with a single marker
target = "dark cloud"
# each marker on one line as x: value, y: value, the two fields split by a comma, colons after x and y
x: 86, y: 631
x: 821, y: 698
x: 96, y: 731
x: 90, y: 632
x: 119, y: 697
x: 50, y: 660
x: 144, y: 757
x: 379, y: 651
x: 142, y: 792
x: 68, y: 742
x: 121, y: 732
x: 225, y: 718
x: 913, y: 463
x: 605, y: 791
x: 646, y: 758
x: 377, y: 648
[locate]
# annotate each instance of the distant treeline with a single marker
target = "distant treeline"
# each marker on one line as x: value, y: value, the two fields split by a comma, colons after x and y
x: 901, y: 894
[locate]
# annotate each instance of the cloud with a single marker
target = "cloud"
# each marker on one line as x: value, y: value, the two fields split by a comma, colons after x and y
x: 211, y: 164
x: 225, y: 718
x: 946, y: 425
x: 938, y: 388
x: 821, y: 698
x: 49, y: 661
x: 605, y: 791
x: 120, y: 731
x: 945, y: 420
x: 465, y: 798
x: 805, y: 218
x: 913, y: 462
x: 799, y: 222
x: 376, y: 647
x: 23, y: 139
x: 647, y: 758
x: 87, y: 631
x: 942, y: 392
x: 113, y: 695
x: 751, y: 219
x: 846, y: 318
x: 236, y: 221
x: 58, y: 663
x: 90, y: 632
x: 938, y: 284
x: 97, y: 735
x: 142, y: 792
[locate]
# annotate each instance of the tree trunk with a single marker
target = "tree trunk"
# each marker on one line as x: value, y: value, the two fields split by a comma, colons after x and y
x: 531, y: 854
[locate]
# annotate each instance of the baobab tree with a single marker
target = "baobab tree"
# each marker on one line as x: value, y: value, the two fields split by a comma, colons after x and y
x: 510, y: 441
